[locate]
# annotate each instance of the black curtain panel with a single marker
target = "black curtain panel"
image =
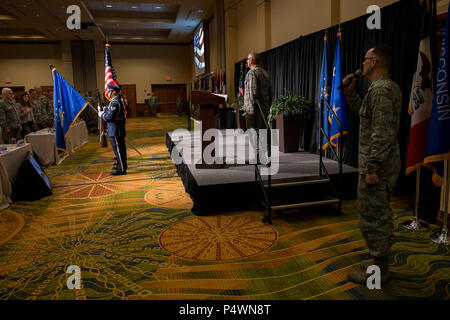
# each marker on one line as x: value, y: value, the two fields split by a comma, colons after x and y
x: 295, y: 67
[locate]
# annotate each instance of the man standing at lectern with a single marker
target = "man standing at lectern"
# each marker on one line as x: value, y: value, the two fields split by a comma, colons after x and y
x: 379, y: 156
x: 257, y: 87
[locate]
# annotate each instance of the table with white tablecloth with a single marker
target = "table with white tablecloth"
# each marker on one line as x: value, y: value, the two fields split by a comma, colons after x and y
x: 43, y: 143
x: 10, y: 162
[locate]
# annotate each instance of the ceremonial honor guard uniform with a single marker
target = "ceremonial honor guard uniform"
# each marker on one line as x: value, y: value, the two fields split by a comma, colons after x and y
x: 114, y: 115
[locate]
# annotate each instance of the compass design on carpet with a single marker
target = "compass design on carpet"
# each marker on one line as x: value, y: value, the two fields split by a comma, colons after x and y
x: 218, y: 238
x: 91, y: 185
x: 168, y: 193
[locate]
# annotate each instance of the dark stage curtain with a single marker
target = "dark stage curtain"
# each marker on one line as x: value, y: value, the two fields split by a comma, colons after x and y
x: 295, y: 66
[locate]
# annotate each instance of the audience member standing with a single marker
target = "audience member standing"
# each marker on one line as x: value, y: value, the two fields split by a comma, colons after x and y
x: 2, y: 121
x: 179, y: 105
x: 47, y: 110
x: 154, y: 104
x: 28, y: 124
x: 89, y: 115
x: 40, y: 116
x: 13, y: 122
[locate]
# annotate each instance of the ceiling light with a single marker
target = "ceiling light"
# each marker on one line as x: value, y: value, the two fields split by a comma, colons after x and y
x: 158, y: 7
x: 133, y: 7
x: 109, y: 5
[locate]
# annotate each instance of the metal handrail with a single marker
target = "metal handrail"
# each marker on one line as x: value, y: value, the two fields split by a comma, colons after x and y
x: 333, y: 112
x: 322, y: 167
x: 258, y: 179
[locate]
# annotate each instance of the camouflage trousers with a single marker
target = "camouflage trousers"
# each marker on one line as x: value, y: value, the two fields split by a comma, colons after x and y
x: 154, y: 109
x: 13, y: 134
x: 375, y: 214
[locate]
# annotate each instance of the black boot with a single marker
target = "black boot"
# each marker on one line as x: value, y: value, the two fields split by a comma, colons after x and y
x: 383, y: 263
x: 361, y: 277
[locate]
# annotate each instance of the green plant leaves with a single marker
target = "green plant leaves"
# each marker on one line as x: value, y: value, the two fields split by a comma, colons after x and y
x: 290, y: 104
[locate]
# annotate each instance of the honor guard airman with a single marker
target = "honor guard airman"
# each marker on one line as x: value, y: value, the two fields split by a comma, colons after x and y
x: 114, y: 115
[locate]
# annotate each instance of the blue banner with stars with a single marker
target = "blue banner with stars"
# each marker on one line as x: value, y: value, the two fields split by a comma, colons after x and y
x: 68, y: 105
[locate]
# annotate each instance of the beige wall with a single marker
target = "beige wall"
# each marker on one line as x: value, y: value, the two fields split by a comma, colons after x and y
x: 144, y: 65
x: 289, y: 19
x: 294, y: 18
x: 442, y: 6
x: 28, y: 64
x: 248, y: 27
x: 351, y: 9
x: 213, y: 47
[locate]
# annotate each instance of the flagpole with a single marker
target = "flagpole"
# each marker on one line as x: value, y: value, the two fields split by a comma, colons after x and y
x: 441, y: 237
x: 416, y: 225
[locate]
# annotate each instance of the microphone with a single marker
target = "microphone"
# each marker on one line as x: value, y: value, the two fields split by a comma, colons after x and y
x: 357, y: 74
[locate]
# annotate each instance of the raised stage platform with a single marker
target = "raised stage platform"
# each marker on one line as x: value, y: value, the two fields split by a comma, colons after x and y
x: 233, y: 187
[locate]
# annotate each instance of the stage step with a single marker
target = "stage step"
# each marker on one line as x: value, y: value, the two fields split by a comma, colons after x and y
x: 301, y: 193
x: 306, y: 181
x: 280, y: 205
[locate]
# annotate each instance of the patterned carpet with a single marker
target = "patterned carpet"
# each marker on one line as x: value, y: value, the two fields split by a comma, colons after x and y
x: 134, y: 237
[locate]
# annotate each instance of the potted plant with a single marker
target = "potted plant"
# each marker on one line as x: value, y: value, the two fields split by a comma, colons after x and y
x: 238, y: 106
x: 290, y: 112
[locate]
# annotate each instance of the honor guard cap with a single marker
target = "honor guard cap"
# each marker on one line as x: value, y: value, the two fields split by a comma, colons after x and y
x: 114, y: 87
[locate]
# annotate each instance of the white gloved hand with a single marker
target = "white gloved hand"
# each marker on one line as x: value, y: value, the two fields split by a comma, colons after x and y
x: 100, y: 113
x: 99, y: 108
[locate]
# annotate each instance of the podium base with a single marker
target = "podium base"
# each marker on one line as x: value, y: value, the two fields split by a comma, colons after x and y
x: 414, y: 226
x: 440, y: 238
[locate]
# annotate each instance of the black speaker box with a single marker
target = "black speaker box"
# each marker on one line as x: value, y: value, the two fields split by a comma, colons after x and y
x: 32, y: 182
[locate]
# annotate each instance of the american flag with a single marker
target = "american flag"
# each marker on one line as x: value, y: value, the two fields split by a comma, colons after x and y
x: 110, y: 74
x: 199, y: 49
x: 242, y: 79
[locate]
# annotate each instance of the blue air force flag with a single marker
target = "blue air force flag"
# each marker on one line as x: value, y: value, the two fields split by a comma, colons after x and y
x: 68, y: 105
x: 324, y: 93
x: 338, y: 100
x: 438, y: 142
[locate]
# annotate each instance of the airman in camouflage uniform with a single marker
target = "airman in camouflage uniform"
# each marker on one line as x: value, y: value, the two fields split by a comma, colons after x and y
x: 12, y: 111
x: 379, y: 156
x: 89, y: 115
x: 2, y: 122
x: 40, y: 115
x: 154, y: 102
x: 46, y: 107
x: 257, y: 87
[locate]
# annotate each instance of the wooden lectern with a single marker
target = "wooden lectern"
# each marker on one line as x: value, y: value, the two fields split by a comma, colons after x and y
x: 207, y: 103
